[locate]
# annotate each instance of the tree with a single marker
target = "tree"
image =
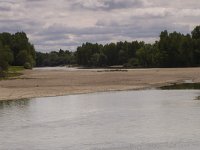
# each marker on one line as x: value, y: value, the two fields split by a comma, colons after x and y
x: 112, y: 54
x: 6, y: 39
x: 6, y: 57
x: 20, y: 42
x: 144, y: 56
x: 196, y: 33
x: 16, y: 50
x: 171, y: 50
x: 196, y: 44
x: 23, y: 57
x: 95, y: 59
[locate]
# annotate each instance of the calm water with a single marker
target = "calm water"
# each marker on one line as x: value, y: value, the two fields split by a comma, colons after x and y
x: 135, y: 120
x: 182, y: 86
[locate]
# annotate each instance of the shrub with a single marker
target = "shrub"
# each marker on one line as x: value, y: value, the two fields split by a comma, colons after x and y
x: 2, y: 74
x: 27, y: 65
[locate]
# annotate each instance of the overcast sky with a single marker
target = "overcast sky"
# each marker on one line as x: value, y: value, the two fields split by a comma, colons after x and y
x: 66, y: 24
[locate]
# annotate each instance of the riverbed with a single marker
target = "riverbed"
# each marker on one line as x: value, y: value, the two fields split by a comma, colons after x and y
x: 58, y: 81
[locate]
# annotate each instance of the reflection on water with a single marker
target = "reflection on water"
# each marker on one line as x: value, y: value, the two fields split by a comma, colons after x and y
x: 150, y: 119
x: 14, y: 103
x: 182, y: 86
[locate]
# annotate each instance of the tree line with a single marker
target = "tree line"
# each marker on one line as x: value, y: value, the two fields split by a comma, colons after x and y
x: 16, y: 50
x: 54, y: 58
x: 171, y: 50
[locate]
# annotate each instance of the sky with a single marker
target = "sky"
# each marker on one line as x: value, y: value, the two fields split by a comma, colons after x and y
x: 66, y: 24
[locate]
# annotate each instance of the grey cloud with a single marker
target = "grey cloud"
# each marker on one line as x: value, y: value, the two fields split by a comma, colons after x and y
x: 15, y: 25
x: 5, y: 8
x: 35, y: 0
x: 66, y: 24
x: 194, y: 4
x: 118, y: 4
x: 106, y: 33
x: 106, y: 5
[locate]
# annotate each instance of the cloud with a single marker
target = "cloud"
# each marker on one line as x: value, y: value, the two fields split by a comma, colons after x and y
x: 66, y: 24
x: 106, y: 4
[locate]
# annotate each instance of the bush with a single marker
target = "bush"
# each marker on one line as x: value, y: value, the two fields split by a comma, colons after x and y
x: 27, y: 65
x: 131, y: 63
x: 2, y: 74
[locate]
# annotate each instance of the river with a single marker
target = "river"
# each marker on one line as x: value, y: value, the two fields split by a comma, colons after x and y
x: 139, y: 120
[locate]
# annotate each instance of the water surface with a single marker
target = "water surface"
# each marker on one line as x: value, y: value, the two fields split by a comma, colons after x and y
x: 141, y: 120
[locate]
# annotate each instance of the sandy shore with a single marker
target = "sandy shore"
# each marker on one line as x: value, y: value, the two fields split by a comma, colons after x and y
x: 40, y: 83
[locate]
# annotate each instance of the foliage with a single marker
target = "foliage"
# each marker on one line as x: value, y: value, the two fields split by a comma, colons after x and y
x: 107, y: 55
x: 15, y: 68
x: 196, y: 33
x: 55, y: 58
x: 171, y: 50
x: 27, y: 65
x: 16, y: 50
x: 6, y: 57
x: 12, y: 71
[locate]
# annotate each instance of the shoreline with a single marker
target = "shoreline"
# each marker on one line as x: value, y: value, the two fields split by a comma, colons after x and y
x: 83, y: 92
x: 50, y: 83
x: 78, y: 93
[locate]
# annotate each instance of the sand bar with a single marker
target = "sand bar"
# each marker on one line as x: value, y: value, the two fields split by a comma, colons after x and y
x: 57, y: 82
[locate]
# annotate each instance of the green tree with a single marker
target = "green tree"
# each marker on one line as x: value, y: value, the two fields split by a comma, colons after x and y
x: 6, y: 58
x: 144, y: 56
x: 24, y: 57
x: 196, y: 33
x: 112, y: 54
x: 6, y: 39
x: 95, y: 59
x: 20, y: 42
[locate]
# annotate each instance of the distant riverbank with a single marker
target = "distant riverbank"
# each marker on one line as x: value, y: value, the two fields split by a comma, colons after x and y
x: 41, y: 82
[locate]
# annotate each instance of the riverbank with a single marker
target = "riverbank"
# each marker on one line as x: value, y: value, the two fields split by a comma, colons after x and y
x: 57, y: 82
x: 13, y: 71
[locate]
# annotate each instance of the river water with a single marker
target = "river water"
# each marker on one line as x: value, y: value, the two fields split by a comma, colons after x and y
x: 133, y: 120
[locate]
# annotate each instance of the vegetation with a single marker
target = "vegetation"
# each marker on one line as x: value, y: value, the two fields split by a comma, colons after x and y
x: 171, y: 50
x: 15, y: 50
x: 6, y: 57
x: 55, y: 58
x: 182, y: 86
x: 13, y: 71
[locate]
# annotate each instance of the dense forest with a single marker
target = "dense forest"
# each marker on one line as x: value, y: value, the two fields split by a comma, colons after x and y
x: 171, y: 50
x: 55, y: 58
x: 16, y: 50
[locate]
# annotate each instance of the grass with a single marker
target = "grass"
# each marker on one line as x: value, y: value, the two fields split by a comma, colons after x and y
x: 13, y: 71
x: 182, y: 86
x: 15, y: 68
